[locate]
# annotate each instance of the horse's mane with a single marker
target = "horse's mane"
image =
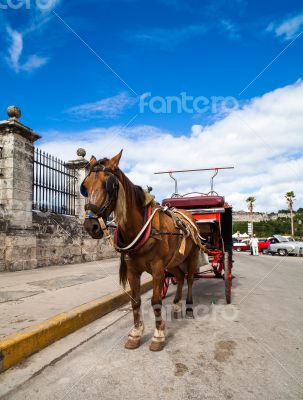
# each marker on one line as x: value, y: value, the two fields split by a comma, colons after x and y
x: 136, y: 198
x: 134, y: 193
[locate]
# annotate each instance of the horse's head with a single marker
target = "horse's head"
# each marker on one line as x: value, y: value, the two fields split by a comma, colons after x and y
x: 101, y: 187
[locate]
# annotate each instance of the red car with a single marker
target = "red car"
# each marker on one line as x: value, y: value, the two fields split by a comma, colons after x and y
x: 245, y: 246
x: 263, y: 245
x: 242, y: 245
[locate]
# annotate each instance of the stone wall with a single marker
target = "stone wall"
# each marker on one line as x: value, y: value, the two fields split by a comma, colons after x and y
x: 62, y: 240
x: 31, y: 239
x: 244, y: 216
x: 53, y: 240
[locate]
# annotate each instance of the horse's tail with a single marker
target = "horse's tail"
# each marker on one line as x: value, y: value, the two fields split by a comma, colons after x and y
x: 123, y: 271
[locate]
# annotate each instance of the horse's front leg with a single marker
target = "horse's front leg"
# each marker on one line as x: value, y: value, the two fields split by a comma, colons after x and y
x: 158, y: 339
x: 134, y: 337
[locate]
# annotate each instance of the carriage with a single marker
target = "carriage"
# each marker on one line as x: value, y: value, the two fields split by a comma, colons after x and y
x: 214, y: 219
x: 135, y: 208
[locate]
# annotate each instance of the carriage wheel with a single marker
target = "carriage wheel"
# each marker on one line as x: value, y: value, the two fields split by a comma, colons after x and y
x: 227, y: 276
x: 165, y: 287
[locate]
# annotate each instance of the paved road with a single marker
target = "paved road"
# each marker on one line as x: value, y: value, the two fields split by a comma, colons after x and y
x: 252, y: 349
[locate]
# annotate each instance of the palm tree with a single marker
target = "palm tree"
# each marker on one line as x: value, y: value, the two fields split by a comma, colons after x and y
x: 250, y: 205
x: 290, y: 198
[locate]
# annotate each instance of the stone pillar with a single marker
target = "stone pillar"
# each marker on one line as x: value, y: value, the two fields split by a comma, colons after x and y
x: 16, y: 170
x: 16, y: 190
x: 79, y: 166
x: 92, y: 249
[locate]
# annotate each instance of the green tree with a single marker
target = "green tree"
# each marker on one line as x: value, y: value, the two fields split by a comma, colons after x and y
x: 264, y: 229
x: 250, y: 205
x: 290, y: 198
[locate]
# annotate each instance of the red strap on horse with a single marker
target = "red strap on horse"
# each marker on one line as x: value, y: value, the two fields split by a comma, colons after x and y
x: 143, y: 240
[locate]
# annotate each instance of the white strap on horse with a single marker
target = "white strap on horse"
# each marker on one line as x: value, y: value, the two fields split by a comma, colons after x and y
x: 140, y: 233
x: 149, y: 221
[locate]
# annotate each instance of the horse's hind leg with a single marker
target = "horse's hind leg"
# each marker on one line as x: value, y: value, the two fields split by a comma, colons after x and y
x: 192, y: 263
x: 179, y: 274
x: 158, y: 339
x: 134, y: 337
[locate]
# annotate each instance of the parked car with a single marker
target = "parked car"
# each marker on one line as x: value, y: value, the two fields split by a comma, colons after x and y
x: 263, y: 245
x: 284, y: 246
x: 241, y: 245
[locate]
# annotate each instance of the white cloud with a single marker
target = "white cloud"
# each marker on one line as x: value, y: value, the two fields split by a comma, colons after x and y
x: 264, y: 141
x: 15, y: 52
x: 34, y: 62
x: 39, y: 17
x: 15, y: 48
x: 231, y: 29
x: 169, y: 38
x: 288, y: 29
x: 110, y: 107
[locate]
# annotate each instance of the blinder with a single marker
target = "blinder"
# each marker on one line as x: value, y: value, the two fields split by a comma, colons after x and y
x: 83, y: 190
x: 97, y: 168
x: 111, y: 185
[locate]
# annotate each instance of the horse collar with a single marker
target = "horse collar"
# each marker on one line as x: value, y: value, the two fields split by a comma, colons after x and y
x: 118, y: 239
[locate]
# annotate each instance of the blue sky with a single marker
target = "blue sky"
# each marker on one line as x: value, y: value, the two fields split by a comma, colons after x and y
x: 68, y: 91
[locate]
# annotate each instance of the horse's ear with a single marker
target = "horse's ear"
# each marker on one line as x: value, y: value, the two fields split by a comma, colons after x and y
x: 92, y: 161
x: 114, y: 162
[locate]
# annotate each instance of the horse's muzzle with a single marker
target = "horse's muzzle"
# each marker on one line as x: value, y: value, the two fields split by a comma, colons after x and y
x: 93, y: 228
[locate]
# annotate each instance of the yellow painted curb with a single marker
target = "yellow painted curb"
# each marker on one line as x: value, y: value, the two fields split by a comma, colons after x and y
x: 16, y: 347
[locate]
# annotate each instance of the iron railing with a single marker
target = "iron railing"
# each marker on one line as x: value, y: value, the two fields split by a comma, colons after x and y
x: 54, y: 185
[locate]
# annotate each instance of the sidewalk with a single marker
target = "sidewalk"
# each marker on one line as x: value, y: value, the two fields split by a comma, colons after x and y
x: 31, y: 297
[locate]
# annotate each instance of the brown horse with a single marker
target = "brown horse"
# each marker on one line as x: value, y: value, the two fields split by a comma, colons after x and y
x: 161, y: 247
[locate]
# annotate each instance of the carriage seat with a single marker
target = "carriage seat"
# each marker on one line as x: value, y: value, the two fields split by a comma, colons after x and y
x: 195, y: 202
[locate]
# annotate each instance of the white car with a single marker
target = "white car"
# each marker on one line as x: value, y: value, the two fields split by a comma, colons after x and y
x: 285, y: 246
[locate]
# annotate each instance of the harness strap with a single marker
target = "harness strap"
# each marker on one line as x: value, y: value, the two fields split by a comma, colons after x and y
x: 147, y: 225
x: 140, y: 233
x: 190, y: 221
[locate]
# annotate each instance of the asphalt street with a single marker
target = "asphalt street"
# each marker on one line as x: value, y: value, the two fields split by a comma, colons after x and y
x: 251, y: 349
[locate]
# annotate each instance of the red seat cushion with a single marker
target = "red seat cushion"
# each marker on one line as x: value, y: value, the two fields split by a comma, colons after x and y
x: 195, y: 202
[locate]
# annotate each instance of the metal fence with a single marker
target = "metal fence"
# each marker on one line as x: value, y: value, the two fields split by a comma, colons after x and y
x: 54, y: 186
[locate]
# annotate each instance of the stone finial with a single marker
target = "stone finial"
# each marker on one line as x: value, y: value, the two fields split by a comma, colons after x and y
x: 81, y: 153
x: 14, y: 112
x: 80, y: 162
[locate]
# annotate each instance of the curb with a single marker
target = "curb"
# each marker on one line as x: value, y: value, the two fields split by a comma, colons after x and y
x: 18, y: 346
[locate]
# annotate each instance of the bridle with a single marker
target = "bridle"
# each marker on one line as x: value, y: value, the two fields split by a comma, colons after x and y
x: 111, y: 187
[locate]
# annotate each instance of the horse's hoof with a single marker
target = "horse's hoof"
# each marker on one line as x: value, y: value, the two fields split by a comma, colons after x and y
x: 177, y: 314
x: 189, y: 314
x: 156, y: 346
x: 132, y: 344
x: 177, y: 308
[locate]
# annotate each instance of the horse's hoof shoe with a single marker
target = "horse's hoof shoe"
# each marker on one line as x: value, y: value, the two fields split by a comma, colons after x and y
x: 132, y: 344
x: 156, y: 346
x: 189, y: 314
x: 178, y: 314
